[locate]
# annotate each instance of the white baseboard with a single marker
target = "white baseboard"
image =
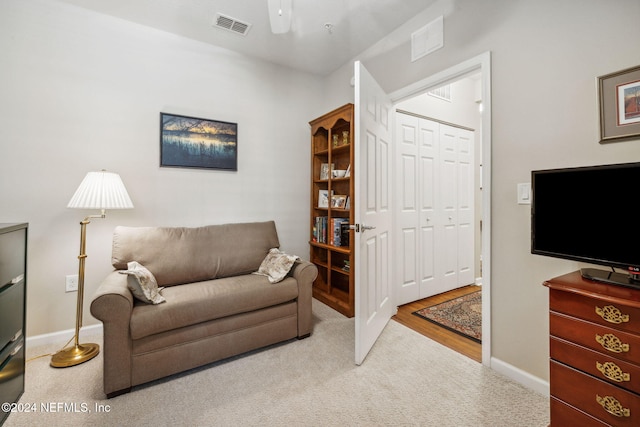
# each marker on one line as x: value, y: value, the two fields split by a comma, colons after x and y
x: 61, y: 337
x: 518, y: 375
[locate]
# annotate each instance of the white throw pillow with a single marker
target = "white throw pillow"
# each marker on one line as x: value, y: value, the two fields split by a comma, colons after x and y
x: 142, y: 284
x: 276, y: 265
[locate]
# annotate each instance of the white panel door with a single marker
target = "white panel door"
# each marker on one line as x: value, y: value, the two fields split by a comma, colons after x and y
x: 407, y: 212
x: 434, y: 208
x: 373, y: 215
x: 446, y: 214
x: 429, y: 182
x: 466, y: 207
x: 416, y: 177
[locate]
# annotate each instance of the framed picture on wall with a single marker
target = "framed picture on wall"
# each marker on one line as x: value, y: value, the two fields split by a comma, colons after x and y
x: 191, y: 142
x: 619, y: 102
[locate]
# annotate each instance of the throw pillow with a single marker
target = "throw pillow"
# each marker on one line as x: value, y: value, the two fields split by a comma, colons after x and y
x: 142, y: 284
x: 276, y: 265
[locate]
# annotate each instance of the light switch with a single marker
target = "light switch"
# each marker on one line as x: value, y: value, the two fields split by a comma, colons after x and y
x: 524, y: 193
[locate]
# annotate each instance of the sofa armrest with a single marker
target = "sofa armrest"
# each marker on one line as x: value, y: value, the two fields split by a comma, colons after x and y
x: 305, y: 273
x: 113, y: 305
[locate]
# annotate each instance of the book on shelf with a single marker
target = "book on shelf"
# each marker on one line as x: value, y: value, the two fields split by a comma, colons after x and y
x: 344, y: 233
x: 334, y: 231
x: 337, y: 231
x: 320, y: 229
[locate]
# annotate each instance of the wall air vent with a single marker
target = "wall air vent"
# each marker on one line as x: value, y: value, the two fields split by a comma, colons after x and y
x: 231, y: 24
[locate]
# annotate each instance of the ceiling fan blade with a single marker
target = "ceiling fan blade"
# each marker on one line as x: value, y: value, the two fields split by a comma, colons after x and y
x: 280, y: 15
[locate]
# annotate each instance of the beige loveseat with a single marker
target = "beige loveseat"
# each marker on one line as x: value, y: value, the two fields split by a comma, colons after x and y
x: 215, y: 308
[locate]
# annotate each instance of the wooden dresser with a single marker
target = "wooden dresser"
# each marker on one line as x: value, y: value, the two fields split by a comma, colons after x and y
x: 595, y: 353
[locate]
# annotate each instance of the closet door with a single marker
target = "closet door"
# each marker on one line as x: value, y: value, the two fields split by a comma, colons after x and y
x: 465, y: 207
x: 435, y: 208
x: 416, y: 176
x: 428, y: 201
x: 456, y: 212
x: 446, y: 231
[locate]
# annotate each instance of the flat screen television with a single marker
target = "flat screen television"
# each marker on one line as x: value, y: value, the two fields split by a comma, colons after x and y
x: 589, y: 214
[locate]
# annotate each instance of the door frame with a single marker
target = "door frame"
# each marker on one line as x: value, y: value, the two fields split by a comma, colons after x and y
x: 481, y: 63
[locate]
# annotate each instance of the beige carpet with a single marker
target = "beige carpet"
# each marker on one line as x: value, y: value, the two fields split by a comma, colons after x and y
x: 407, y: 380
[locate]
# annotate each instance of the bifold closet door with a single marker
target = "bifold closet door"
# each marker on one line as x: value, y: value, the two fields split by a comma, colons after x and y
x: 434, y: 207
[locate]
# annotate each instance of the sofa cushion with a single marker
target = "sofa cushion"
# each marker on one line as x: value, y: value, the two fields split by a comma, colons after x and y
x: 142, y: 284
x: 193, y: 303
x: 177, y: 255
x: 276, y: 265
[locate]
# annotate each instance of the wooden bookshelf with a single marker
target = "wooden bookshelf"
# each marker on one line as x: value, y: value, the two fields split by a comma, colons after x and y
x: 332, y: 243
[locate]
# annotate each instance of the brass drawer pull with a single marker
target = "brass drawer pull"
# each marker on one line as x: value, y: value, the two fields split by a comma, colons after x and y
x: 612, y: 343
x: 612, y: 314
x: 612, y: 406
x: 613, y: 372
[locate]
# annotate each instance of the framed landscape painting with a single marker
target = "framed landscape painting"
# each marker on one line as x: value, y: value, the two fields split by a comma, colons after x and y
x: 619, y: 101
x: 191, y: 142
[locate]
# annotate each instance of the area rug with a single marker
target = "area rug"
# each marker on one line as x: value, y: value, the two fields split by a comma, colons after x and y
x: 462, y: 315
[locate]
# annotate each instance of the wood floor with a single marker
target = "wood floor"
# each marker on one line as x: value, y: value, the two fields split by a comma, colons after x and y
x: 445, y: 337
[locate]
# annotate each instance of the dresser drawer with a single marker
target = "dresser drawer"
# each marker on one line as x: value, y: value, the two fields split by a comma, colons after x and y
x: 11, y: 313
x: 622, y: 345
x: 602, y: 366
x: 618, y: 316
x: 563, y: 415
x: 11, y: 375
x: 12, y: 261
x: 597, y: 398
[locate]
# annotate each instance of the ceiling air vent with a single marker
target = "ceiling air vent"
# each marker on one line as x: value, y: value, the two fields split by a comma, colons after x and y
x: 231, y: 24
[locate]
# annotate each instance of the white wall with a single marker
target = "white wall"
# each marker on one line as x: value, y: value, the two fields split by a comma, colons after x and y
x: 461, y: 110
x: 81, y: 91
x: 546, y: 56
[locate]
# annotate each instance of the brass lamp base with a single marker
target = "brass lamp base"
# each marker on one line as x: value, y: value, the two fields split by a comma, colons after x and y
x: 75, y: 355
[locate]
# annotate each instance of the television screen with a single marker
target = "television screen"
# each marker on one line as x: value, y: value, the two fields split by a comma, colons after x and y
x: 587, y: 214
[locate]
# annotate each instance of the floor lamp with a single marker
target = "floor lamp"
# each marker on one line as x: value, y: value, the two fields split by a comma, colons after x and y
x: 98, y: 190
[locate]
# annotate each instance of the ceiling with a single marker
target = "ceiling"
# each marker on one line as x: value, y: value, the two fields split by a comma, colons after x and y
x: 309, y: 46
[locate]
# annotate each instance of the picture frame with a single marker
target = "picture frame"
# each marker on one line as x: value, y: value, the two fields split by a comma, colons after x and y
x: 619, y: 104
x: 325, y: 168
x: 323, y: 198
x: 338, y: 201
x: 193, y: 142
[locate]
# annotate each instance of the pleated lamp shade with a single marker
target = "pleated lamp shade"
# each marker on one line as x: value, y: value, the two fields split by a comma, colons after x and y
x: 101, y: 190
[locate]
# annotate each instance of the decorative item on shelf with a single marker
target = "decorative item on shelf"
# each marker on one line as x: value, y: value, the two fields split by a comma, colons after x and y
x: 323, y: 198
x: 324, y: 171
x: 335, y: 140
x: 347, y: 265
x: 347, y: 173
x: 338, y: 173
x: 338, y: 201
x: 345, y: 137
x: 98, y: 190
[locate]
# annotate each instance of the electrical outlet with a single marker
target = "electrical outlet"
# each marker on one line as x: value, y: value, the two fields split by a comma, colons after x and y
x: 71, y: 283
